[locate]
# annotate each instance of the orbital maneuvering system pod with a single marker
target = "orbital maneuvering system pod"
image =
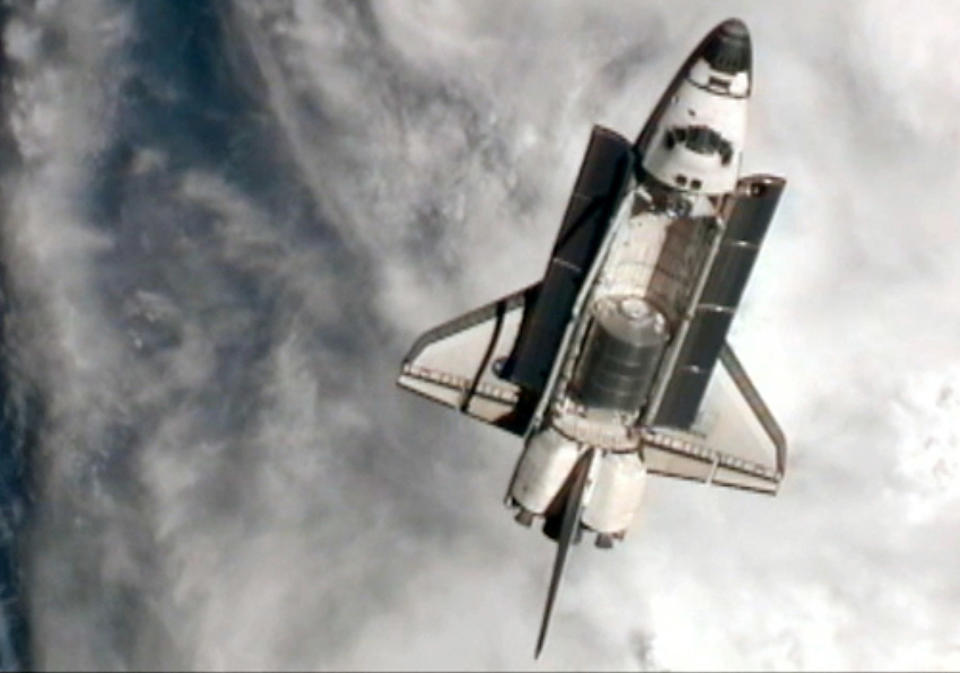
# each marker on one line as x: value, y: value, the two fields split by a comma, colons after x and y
x: 615, y: 366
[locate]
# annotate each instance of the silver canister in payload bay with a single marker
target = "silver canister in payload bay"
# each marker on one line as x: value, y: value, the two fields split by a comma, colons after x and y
x: 620, y: 355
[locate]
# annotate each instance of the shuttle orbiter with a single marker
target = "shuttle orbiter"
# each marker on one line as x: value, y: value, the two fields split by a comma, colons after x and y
x: 615, y: 365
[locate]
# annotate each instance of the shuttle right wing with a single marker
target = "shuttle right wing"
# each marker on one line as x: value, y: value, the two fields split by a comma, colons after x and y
x: 735, y: 441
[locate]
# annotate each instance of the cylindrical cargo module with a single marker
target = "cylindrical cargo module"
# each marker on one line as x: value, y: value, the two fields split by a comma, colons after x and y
x: 620, y: 355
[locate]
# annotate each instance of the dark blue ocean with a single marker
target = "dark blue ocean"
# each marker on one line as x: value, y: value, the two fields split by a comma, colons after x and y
x: 176, y: 89
x: 216, y: 222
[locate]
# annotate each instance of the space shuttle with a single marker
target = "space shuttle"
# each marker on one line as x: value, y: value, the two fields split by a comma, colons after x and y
x: 614, y: 367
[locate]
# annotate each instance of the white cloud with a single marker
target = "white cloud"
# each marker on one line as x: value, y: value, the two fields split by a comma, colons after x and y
x: 231, y: 479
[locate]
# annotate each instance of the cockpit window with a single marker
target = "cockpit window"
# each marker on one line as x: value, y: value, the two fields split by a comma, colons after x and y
x: 700, y: 139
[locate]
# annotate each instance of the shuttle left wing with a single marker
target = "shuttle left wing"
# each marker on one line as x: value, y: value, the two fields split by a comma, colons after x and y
x: 457, y: 363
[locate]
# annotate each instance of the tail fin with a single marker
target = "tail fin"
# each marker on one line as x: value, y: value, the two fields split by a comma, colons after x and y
x: 568, y: 529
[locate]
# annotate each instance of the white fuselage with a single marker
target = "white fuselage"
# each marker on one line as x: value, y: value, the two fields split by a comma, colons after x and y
x: 643, y: 279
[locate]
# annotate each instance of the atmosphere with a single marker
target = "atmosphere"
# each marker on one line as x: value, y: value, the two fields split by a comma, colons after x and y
x: 224, y: 225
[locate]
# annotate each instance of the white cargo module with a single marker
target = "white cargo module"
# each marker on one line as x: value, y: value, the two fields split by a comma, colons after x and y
x: 615, y: 365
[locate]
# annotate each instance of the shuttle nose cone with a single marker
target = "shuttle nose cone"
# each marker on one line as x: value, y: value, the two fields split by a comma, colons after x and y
x: 727, y: 48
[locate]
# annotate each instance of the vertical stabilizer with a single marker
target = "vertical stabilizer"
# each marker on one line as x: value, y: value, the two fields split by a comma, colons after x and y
x: 568, y: 529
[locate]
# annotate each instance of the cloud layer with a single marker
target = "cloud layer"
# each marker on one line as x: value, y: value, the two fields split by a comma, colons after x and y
x: 230, y: 223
